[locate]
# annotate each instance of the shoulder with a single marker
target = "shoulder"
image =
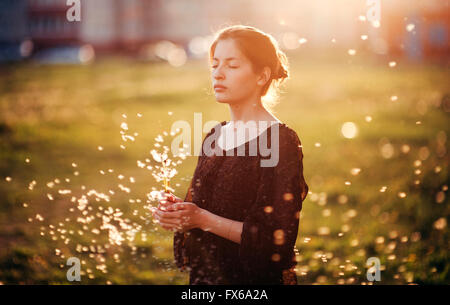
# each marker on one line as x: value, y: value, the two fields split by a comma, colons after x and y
x: 288, y: 137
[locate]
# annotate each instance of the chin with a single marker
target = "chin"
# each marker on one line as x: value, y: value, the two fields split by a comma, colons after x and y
x: 222, y: 99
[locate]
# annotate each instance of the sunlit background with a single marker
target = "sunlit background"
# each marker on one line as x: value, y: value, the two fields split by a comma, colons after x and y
x: 86, y: 109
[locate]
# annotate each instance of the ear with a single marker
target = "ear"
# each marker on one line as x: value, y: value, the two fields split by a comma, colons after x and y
x: 264, y: 76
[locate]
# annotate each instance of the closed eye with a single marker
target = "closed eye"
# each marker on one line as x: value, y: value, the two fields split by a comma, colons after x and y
x: 232, y: 67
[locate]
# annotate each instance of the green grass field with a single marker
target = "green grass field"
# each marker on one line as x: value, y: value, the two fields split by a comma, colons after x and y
x: 395, y: 208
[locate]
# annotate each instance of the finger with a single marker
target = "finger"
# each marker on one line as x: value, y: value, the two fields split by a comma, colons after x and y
x: 171, y: 227
x: 169, y: 214
x: 162, y: 220
x: 171, y: 222
x: 176, y: 199
x: 163, y: 196
x: 171, y: 208
x: 179, y: 206
x: 165, y: 207
x: 169, y: 196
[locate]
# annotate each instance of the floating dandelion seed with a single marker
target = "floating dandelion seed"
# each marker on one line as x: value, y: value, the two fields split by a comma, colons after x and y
x: 393, y: 234
x: 342, y: 199
x: 355, y: 171
x: 362, y: 18
x: 302, y: 40
x: 8, y: 179
x: 323, y: 230
x: 352, y: 213
x: 351, y: 52
x: 394, y: 98
x: 139, y: 115
x: 97, y: 220
x: 379, y: 240
x: 31, y: 185
x: 440, y: 224
x: 402, y: 194
x: 170, y: 113
x: 276, y: 257
x: 440, y: 197
x: 349, y: 130
x: 27, y: 160
x: 364, y: 37
x: 124, y: 126
x: 326, y: 212
x: 410, y: 27
x: 345, y: 228
x: 268, y: 209
x: 392, y: 64
x: 100, y: 148
x: 405, y: 148
x: 368, y: 118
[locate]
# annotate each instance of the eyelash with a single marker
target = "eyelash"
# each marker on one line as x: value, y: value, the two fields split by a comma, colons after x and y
x: 232, y: 67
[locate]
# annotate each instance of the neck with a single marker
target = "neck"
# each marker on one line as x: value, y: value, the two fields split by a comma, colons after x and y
x: 251, y: 110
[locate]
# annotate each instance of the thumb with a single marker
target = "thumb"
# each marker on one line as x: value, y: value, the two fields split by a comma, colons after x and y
x: 179, y: 205
x: 174, y: 198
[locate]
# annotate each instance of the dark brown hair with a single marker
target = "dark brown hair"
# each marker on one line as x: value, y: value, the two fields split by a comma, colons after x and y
x: 262, y: 50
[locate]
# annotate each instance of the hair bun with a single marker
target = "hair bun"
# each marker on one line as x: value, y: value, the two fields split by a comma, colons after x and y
x: 282, y: 73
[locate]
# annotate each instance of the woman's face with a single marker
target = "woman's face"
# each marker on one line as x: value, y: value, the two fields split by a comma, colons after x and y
x: 231, y: 69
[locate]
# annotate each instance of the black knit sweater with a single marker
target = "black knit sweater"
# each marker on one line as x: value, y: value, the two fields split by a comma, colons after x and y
x: 267, y: 199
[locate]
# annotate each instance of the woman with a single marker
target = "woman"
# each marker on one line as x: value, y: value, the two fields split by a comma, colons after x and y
x: 239, y: 220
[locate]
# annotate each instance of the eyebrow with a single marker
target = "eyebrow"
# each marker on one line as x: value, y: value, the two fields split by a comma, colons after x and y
x: 228, y: 58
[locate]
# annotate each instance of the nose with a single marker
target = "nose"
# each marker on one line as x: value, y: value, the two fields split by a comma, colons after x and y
x: 218, y: 74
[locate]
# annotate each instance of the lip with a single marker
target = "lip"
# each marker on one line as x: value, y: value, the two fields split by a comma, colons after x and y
x: 219, y: 87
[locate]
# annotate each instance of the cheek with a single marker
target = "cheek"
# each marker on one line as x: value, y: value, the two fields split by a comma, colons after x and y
x: 242, y: 81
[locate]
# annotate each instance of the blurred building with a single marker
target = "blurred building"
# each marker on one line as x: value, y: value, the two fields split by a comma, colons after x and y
x: 13, y: 30
x: 415, y: 29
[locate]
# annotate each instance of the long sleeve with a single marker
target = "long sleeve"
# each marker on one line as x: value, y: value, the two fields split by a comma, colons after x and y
x: 181, y: 241
x: 271, y: 225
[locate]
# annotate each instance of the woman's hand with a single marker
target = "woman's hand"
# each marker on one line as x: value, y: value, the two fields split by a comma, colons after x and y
x: 180, y: 216
x: 167, y: 199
